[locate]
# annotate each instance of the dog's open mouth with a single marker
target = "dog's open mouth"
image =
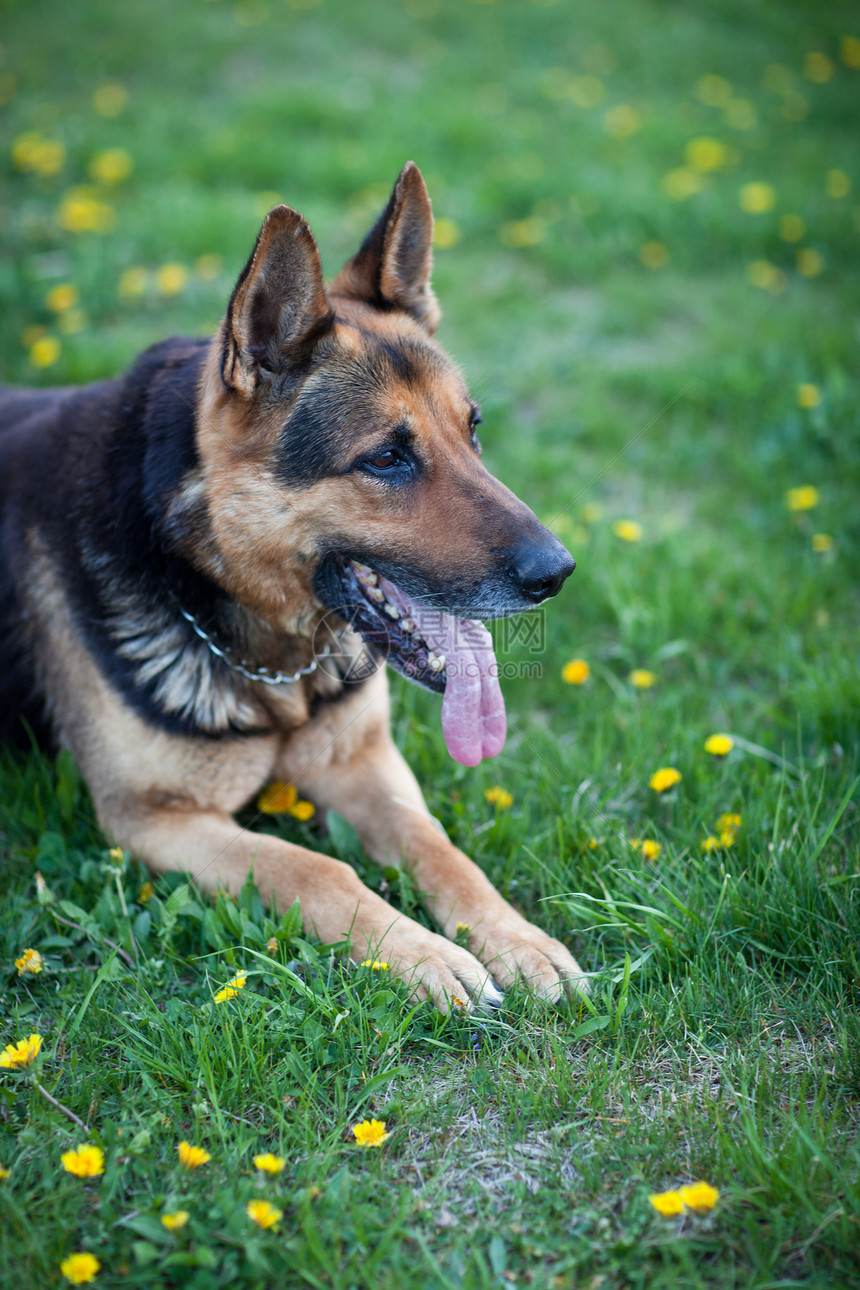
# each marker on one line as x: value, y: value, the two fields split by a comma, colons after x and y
x: 452, y: 656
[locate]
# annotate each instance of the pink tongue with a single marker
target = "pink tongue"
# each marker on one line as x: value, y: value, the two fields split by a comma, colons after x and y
x: 473, y: 710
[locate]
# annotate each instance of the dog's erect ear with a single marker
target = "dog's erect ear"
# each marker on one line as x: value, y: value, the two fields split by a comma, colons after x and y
x: 278, y: 309
x: 392, y: 269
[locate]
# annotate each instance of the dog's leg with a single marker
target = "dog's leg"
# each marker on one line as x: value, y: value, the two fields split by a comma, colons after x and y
x: 377, y: 793
x: 335, y: 903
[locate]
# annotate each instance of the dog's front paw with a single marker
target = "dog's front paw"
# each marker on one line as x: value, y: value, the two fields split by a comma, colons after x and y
x: 514, y: 949
x: 436, y: 969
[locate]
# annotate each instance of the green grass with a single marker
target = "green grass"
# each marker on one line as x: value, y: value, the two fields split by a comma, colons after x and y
x: 723, y: 1042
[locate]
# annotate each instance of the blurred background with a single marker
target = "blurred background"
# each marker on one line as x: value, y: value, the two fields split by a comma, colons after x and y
x: 648, y: 218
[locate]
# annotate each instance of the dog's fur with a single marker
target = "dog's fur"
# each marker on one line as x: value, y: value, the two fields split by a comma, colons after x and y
x: 230, y: 482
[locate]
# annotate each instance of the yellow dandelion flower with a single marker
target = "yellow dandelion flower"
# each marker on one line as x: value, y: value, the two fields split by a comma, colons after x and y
x: 277, y: 799
x: 5, y: 1173
x: 146, y: 893
x: 641, y: 679
x: 653, y: 255
x: 30, y: 961
x: 791, y: 228
x: 740, y: 114
x: 207, y: 267
x: 116, y: 855
x: 62, y: 297
x: 498, y: 797
x: 849, y: 52
x: 715, y: 91
x: 45, y: 351
x: 730, y: 820
x: 837, y: 184
x: 232, y: 988
x: 699, y: 1196
x: 85, y: 1161
x: 757, y: 198
x: 463, y: 929
x: 171, y: 279
x: 272, y: 945
x: 575, y: 672
x: 592, y: 844
x: 375, y: 965
x: 110, y: 166
x: 681, y: 183
x: 821, y: 543
x: 132, y: 283
x: 192, y: 1157
x: 81, y: 211
x: 667, y: 1203
x: 47, y: 157
x: 586, y: 91
x: 80, y: 1268
x: 809, y: 262
x: 818, y: 67
x: 268, y: 1163
x: 24, y: 149
x: 808, y: 395
x: 519, y: 233
x: 627, y: 530
x: 710, y: 843
x: 110, y: 99
x: 173, y: 1222
x: 706, y: 154
x: 445, y: 233
x: 664, y: 779
x: 24, y: 1053
x: 370, y: 1133
x: 761, y: 273
x: 649, y: 848
x: 303, y: 810
x: 804, y: 498
x: 263, y: 1214
x: 728, y: 838
x: 622, y: 121
x: 719, y: 745
x: 71, y: 322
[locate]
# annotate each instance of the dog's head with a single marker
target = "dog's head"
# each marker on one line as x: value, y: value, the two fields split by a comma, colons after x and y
x: 343, y: 469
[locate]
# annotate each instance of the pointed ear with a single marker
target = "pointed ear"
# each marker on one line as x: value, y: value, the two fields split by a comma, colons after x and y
x: 392, y: 269
x: 278, y: 309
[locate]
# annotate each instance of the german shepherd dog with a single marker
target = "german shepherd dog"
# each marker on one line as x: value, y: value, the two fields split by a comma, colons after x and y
x: 175, y: 542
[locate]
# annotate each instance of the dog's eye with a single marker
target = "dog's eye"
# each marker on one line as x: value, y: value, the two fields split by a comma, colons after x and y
x: 474, y: 421
x: 386, y: 460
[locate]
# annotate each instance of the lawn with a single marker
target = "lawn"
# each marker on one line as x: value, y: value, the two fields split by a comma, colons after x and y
x: 648, y: 218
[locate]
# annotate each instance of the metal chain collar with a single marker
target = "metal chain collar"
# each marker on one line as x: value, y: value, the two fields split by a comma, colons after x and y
x: 262, y: 674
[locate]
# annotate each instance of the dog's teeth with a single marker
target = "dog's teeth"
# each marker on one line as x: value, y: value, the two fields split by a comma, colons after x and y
x: 407, y: 624
x: 436, y: 662
x: 361, y: 568
x: 391, y: 610
x: 376, y: 594
x: 369, y: 578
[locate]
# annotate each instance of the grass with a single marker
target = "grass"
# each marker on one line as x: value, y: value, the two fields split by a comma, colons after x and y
x: 723, y: 1040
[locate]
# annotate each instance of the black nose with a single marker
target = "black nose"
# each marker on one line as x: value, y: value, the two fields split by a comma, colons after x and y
x: 540, y: 568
